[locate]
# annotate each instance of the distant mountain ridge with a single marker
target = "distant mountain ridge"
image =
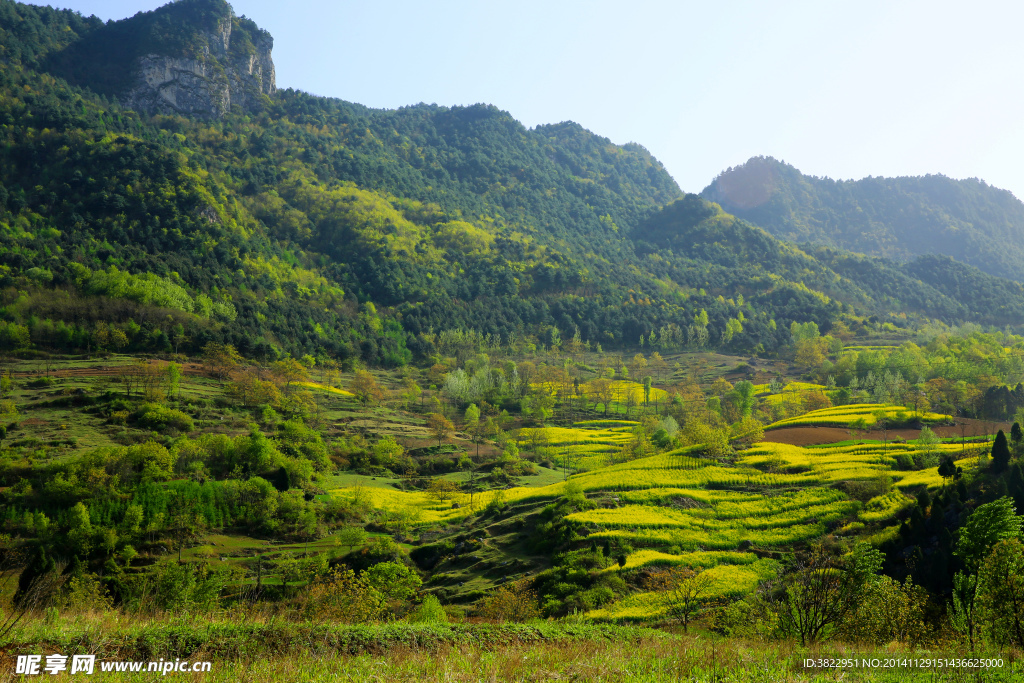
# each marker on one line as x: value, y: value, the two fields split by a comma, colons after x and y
x: 897, y: 218
x: 281, y: 222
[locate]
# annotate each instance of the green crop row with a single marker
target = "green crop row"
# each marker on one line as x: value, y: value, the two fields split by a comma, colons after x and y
x: 698, y: 559
x: 719, y: 539
x: 884, y: 507
x: 707, y: 519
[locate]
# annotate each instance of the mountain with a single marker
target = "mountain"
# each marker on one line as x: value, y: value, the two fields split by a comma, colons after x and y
x: 192, y: 57
x: 897, y: 218
x: 712, y: 248
x: 139, y: 216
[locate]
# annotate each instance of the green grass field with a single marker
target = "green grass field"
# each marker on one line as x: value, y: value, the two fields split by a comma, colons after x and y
x: 258, y: 650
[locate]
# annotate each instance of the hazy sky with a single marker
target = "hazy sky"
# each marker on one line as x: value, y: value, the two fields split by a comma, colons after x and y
x: 839, y: 89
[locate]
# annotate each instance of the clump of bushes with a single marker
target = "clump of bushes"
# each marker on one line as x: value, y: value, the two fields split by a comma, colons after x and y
x: 162, y: 418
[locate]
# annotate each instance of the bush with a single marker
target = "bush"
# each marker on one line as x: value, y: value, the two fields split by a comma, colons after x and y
x: 161, y: 418
x: 84, y: 593
x: 429, y: 611
x: 514, y: 602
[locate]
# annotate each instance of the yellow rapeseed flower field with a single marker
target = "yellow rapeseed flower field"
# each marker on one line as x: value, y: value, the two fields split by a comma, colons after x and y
x: 324, y: 387
x: 885, y: 506
x: 696, y: 560
x: 843, y: 416
x: 727, y: 580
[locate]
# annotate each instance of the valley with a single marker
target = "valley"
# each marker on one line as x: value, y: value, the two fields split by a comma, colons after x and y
x: 311, y: 390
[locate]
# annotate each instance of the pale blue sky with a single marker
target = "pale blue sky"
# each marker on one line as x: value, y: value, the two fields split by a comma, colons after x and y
x: 840, y: 89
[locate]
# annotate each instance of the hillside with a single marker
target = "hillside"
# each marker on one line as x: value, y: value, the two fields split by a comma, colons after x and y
x: 896, y: 218
x: 283, y: 223
x: 699, y: 245
x: 289, y: 502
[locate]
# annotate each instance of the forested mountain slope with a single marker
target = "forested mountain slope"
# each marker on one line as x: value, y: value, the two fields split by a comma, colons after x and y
x: 285, y: 222
x: 898, y: 218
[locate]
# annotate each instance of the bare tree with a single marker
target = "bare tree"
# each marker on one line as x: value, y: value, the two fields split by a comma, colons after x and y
x: 687, y: 591
x: 38, y: 592
x: 821, y: 590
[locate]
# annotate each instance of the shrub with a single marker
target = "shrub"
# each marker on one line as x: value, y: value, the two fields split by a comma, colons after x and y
x: 514, y: 602
x: 429, y: 611
x: 84, y: 593
x: 154, y: 416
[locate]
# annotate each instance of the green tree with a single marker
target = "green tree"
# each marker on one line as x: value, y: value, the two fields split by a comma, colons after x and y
x: 858, y: 427
x: 603, y: 390
x: 1000, y: 453
x: 387, y: 452
x: 411, y: 392
x: 881, y: 416
x: 186, y: 523
x: 472, y: 415
x: 962, y: 608
x: 173, y: 379
x: 1001, y: 593
x: 539, y: 405
x: 288, y: 372
x: 393, y: 582
x: 929, y: 443
x: 80, y: 531
x: 888, y: 611
x: 742, y: 396
x: 948, y: 469
x: 477, y: 430
x: 442, y: 490
x: 987, y: 525
x: 221, y: 359
x: 351, y: 536
x: 429, y: 611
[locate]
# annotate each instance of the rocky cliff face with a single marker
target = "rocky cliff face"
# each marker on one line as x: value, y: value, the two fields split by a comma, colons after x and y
x: 231, y: 66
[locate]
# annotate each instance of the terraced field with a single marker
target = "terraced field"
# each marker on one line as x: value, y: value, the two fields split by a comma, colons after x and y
x: 844, y: 416
x: 790, y: 387
x: 792, y: 390
x: 681, y: 508
x: 727, y: 580
x: 585, y: 445
x: 763, y: 521
x: 324, y: 387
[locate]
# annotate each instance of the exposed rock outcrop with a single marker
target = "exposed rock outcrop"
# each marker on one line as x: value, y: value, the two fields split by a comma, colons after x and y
x: 230, y: 66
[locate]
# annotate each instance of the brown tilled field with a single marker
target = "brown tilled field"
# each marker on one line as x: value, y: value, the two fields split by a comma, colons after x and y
x: 811, y: 436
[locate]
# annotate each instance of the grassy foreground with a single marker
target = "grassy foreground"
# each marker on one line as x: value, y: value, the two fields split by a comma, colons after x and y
x: 541, y: 651
x: 682, y: 659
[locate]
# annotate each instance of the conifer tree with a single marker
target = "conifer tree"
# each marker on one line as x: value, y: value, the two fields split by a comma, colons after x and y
x: 1000, y: 453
